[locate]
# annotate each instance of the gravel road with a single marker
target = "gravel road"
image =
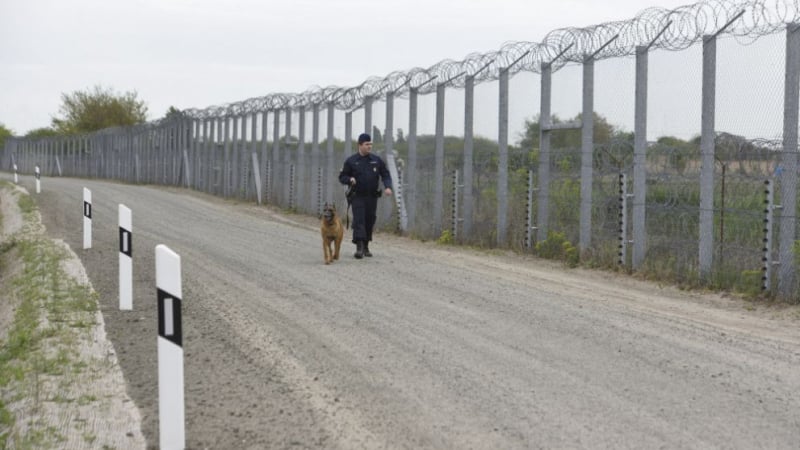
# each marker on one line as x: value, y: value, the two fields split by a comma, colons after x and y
x: 424, y: 346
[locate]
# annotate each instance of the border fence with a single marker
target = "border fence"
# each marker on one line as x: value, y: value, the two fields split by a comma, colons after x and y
x: 719, y: 208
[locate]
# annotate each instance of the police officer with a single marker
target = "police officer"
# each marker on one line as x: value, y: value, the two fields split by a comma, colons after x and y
x: 362, y: 172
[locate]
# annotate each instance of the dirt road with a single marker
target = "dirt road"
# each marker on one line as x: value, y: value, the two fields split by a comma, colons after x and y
x: 424, y: 346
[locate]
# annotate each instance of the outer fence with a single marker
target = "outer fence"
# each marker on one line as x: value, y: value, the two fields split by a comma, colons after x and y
x: 691, y: 207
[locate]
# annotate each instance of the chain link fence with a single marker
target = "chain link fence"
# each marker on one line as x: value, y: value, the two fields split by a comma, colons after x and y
x: 649, y: 145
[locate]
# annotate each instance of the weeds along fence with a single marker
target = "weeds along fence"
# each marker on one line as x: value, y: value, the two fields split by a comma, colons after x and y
x: 665, y: 144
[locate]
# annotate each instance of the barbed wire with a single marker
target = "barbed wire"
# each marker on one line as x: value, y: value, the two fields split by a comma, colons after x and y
x: 656, y: 28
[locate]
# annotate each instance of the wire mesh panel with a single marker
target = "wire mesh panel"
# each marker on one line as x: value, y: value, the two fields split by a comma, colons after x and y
x: 720, y: 117
x: 673, y: 202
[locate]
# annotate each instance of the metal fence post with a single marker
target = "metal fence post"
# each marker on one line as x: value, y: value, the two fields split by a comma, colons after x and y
x: 788, y: 216
x: 707, y: 146
x: 502, y: 159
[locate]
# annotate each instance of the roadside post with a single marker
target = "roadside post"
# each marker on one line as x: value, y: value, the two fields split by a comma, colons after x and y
x: 87, y: 218
x: 125, y: 258
x: 170, y: 350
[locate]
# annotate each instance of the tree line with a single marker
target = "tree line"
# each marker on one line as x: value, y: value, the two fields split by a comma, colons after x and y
x: 88, y: 111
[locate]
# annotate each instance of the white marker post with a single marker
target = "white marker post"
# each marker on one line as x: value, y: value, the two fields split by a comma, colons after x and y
x: 125, y: 258
x: 87, y: 218
x: 37, y: 174
x: 16, y: 177
x: 170, y: 350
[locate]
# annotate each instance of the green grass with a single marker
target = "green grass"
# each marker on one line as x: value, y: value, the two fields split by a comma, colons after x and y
x: 52, y: 310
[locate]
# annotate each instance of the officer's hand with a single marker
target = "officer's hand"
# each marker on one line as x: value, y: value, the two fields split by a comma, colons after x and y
x: 387, y: 191
x: 352, y: 181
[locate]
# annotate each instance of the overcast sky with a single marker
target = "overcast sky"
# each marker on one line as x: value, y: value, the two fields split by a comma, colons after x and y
x: 199, y: 53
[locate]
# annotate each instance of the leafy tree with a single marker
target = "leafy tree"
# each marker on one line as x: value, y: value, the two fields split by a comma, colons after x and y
x: 98, y: 108
x: 173, y: 113
x: 377, y: 137
x: 41, y: 133
x: 604, y: 132
x: 677, y: 152
x: 4, y: 133
x: 671, y: 141
x: 400, y: 137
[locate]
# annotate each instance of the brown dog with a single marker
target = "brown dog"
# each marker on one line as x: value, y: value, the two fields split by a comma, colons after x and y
x: 332, y: 233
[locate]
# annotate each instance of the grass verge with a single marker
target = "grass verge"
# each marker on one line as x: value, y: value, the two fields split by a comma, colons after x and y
x: 48, y: 316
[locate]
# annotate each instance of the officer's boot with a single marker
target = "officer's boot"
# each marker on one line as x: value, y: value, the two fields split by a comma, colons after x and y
x: 359, y: 250
x: 367, y: 253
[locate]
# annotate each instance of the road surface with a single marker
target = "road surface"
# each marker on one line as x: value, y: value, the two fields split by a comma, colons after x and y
x: 423, y: 345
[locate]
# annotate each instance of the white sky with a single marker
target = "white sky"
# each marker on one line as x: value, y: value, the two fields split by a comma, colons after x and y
x: 199, y: 53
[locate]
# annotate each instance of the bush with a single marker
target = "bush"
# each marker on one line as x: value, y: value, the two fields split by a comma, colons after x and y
x: 556, y: 246
x: 750, y: 283
x: 446, y: 238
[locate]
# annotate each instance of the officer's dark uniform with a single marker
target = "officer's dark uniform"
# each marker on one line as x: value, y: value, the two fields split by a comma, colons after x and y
x: 367, y: 170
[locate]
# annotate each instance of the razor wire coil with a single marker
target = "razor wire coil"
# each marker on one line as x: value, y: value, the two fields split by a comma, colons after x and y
x: 657, y: 28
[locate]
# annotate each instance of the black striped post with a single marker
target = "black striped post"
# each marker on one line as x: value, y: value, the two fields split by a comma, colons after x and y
x: 623, y: 220
x: 16, y: 176
x: 170, y: 349
x: 125, y: 258
x: 87, y: 218
x: 766, y: 258
x: 38, y: 175
x: 529, y: 227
